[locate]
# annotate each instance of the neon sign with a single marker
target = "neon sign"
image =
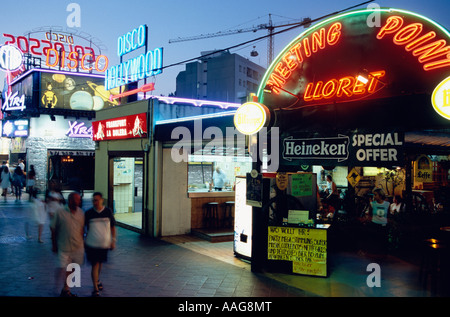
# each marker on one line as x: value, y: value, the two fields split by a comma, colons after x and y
x: 294, y: 57
x: 344, y: 87
x: 419, y: 45
x: 66, y: 47
x: 406, y: 54
x: 140, y: 67
x: 74, y: 61
x: 79, y: 130
x: 132, y: 40
x: 13, y: 102
x: 129, y: 127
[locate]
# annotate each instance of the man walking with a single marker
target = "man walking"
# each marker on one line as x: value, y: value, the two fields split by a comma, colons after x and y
x: 100, y: 238
x: 67, y: 228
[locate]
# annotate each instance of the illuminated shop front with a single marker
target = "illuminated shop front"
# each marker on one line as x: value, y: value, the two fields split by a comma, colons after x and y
x: 194, y: 150
x: 362, y: 103
x: 58, y: 107
x: 146, y: 185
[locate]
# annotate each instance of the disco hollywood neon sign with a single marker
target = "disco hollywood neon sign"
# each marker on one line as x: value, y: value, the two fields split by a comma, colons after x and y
x: 140, y: 67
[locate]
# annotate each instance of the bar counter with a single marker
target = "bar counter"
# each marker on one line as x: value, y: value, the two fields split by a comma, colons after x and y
x: 200, y: 198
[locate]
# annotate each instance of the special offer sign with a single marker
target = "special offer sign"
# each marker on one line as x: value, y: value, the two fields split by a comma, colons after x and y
x: 129, y: 127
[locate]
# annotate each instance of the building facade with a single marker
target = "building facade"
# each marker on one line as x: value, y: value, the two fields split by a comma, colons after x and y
x: 219, y: 76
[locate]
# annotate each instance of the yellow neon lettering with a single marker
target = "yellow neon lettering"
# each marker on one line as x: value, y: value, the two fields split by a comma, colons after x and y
x: 334, y: 33
x: 106, y: 63
x: 374, y: 79
x: 307, y: 96
x: 306, y: 47
x: 82, y: 62
x: 437, y: 64
x: 421, y: 40
x: 47, y: 61
x: 318, y: 91
x: 72, y: 59
x: 393, y: 23
x: 359, y: 88
x: 297, y: 52
x: 318, y: 40
x: 432, y: 50
x: 283, y: 71
x: 288, y: 58
x: 329, y: 89
x: 344, y: 86
x: 408, y: 33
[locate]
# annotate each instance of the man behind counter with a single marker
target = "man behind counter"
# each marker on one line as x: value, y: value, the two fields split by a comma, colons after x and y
x: 219, y: 179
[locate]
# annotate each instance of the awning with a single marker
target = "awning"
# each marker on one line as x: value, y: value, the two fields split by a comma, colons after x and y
x: 428, y: 142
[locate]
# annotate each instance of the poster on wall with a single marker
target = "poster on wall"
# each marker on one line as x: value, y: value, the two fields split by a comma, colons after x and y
x: 423, y: 169
x: 305, y: 248
x: 75, y: 92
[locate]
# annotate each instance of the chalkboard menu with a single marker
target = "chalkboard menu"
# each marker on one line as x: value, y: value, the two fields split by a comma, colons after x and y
x: 305, y: 247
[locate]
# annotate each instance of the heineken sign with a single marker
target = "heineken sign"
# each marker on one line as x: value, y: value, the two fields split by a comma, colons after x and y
x: 316, y: 149
x: 368, y: 149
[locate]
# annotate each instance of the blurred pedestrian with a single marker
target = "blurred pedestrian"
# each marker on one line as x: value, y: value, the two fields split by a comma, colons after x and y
x: 6, y: 181
x: 67, y: 228
x: 53, y: 197
x: 18, y: 182
x: 39, y: 216
x: 31, y: 181
x: 100, y: 238
x: 21, y: 164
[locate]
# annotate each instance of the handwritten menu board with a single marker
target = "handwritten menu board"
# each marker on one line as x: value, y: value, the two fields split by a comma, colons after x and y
x: 305, y: 247
x: 301, y: 184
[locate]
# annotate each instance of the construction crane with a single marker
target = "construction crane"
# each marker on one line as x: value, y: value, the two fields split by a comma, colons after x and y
x: 306, y: 22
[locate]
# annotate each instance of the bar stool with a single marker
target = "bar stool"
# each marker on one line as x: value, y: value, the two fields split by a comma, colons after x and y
x: 432, y: 266
x: 210, y: 215
x: 228, y: 214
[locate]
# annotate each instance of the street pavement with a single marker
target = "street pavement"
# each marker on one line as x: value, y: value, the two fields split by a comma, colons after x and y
x: 139, y: 267
x: 175, y: 275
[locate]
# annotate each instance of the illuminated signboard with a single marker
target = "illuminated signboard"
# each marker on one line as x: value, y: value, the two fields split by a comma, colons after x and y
x: 250, y: 117
x: 72, y: 91
x: 62, y: 50
x: 441, y: 98
x: 15, y: 128
x: 129, y: 127
x: 345, y: 59
x: 11, y: 58
x: 13, y: 102
x: 140, y: 67
x: 79, y: 130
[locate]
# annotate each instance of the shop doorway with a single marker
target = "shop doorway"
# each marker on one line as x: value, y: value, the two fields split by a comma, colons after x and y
x: 72, y: 170
x: 126, y: 177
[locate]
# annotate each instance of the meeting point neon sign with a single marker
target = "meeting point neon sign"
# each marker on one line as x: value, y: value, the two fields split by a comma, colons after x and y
x: 428, y: 46
x: 303, y: 49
